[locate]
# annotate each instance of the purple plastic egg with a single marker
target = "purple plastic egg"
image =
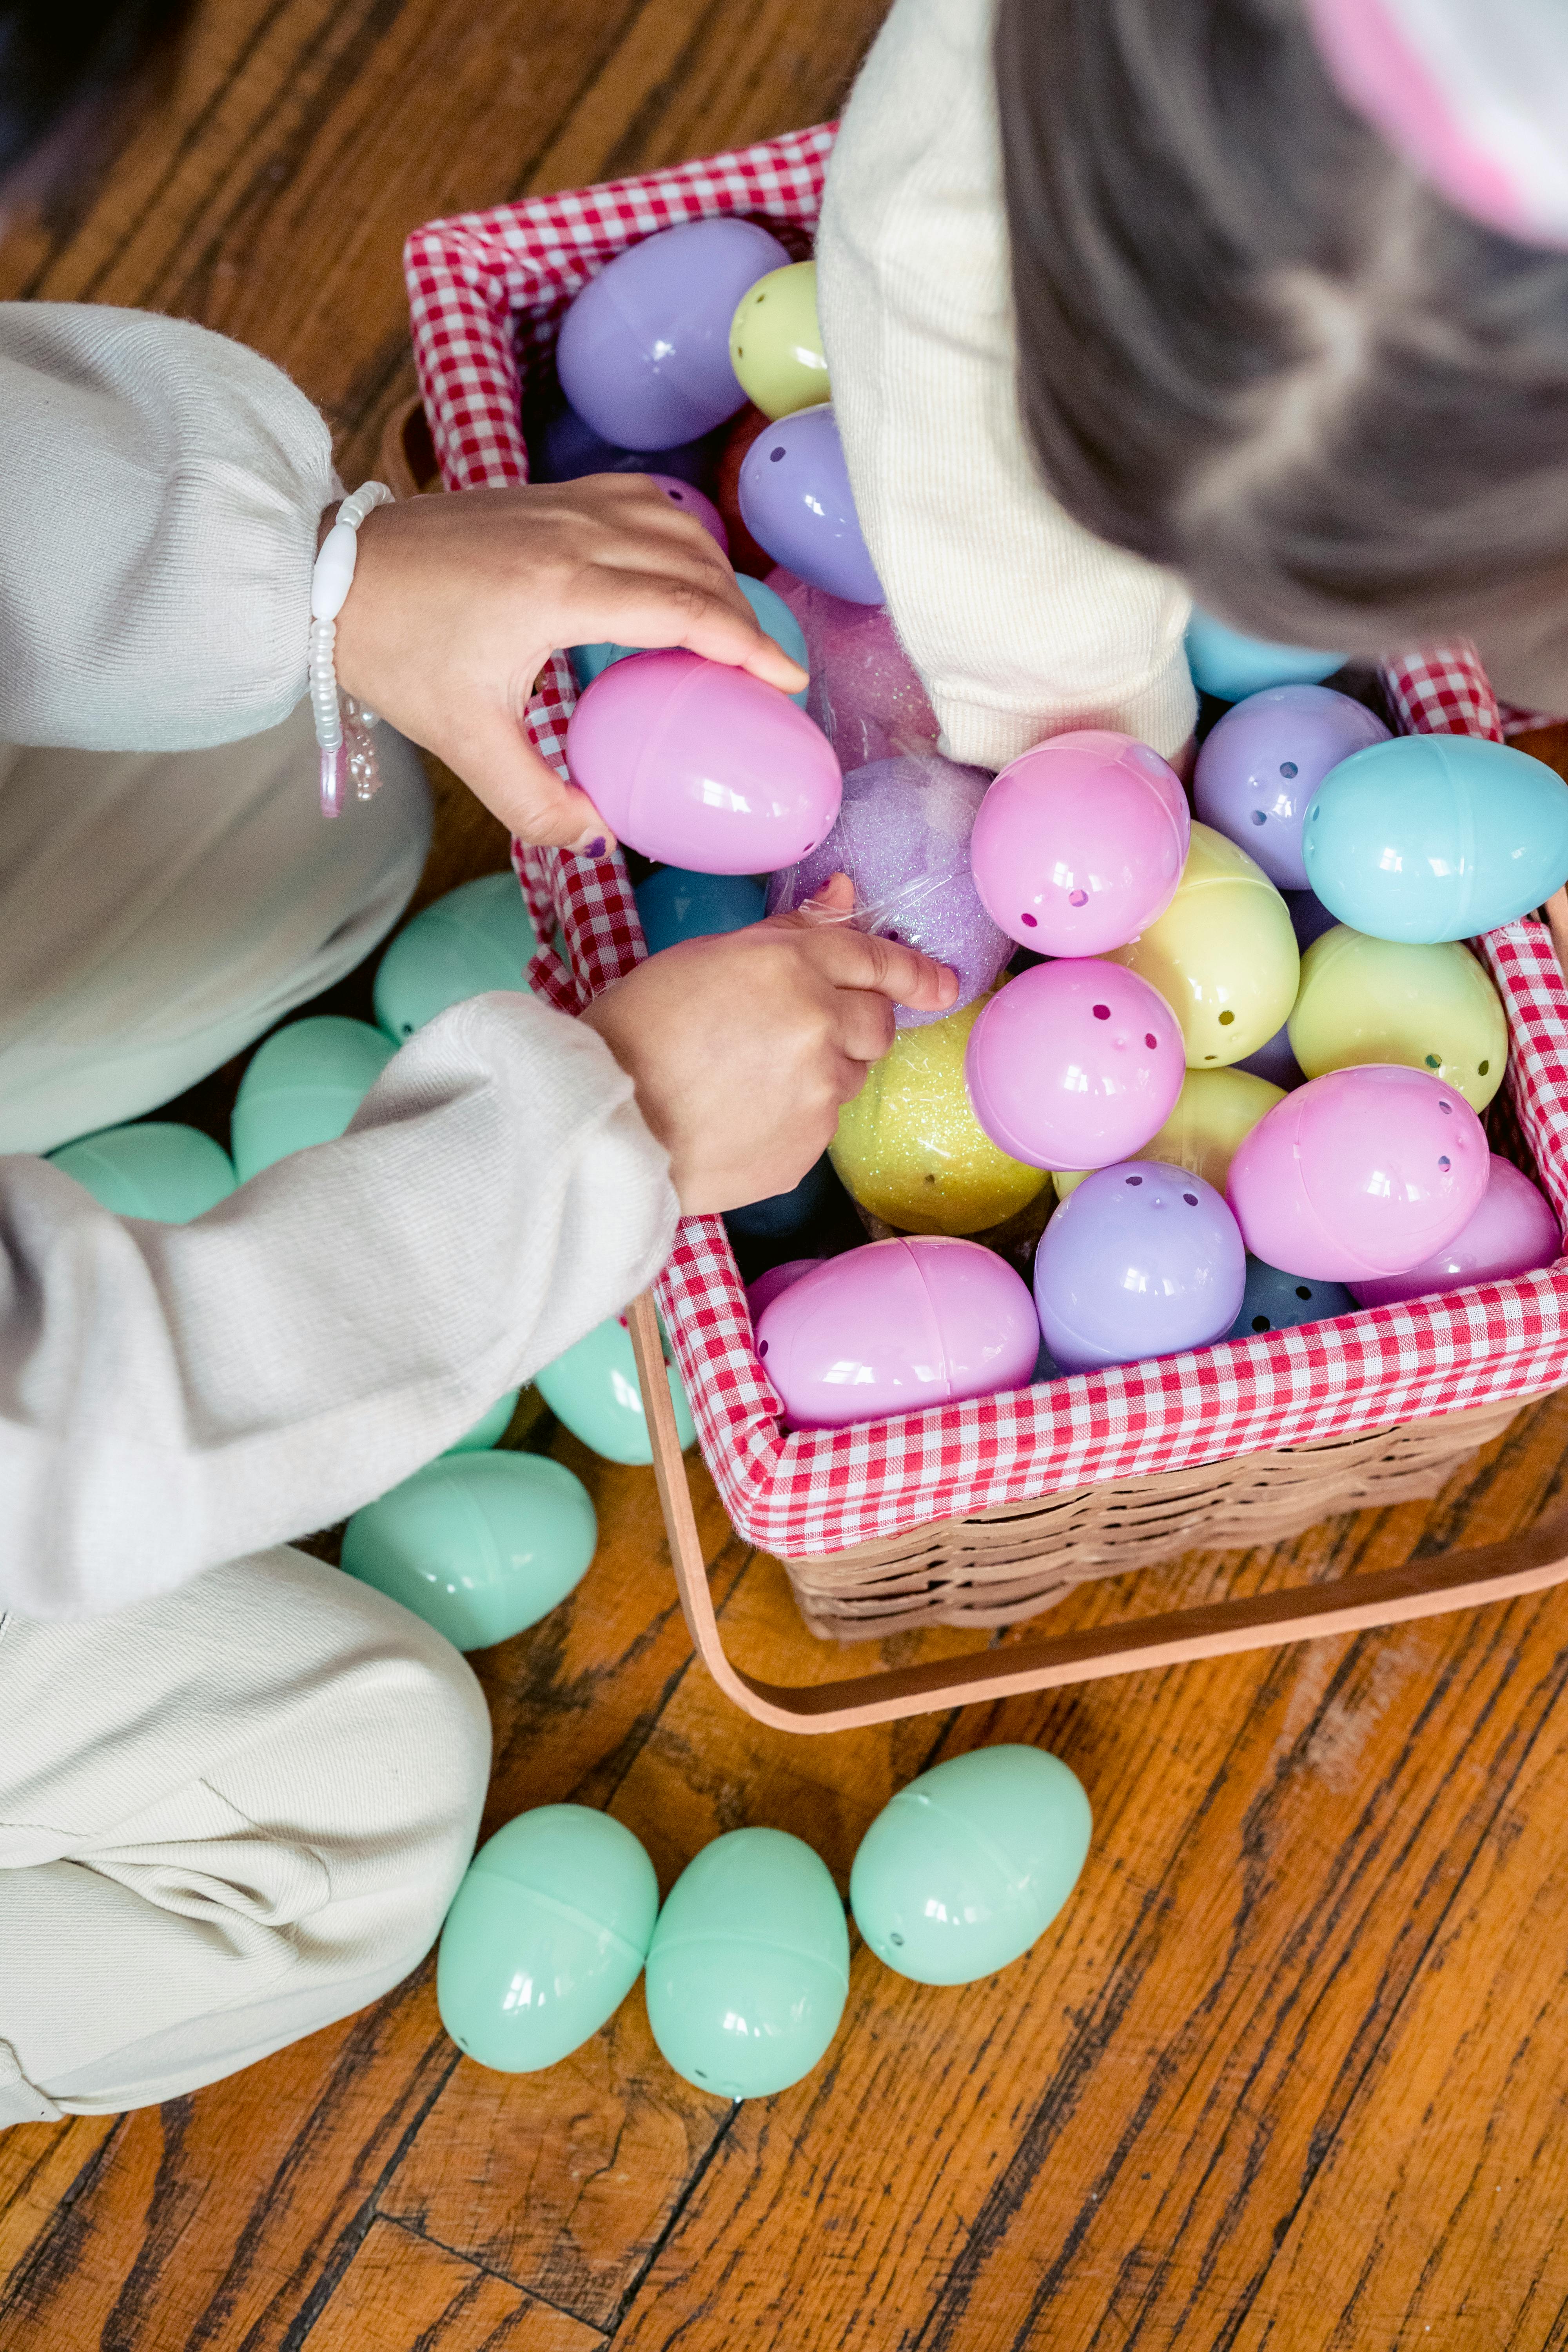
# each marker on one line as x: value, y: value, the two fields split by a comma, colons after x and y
x: 701, y: 765
x: 795, y: 502
x: 902, y: 837
x: 866, y: 694
x: 1142, y: 1259
x: 1361, y: 1173
x: 643, y: 354
x: 1081, y: 843
x: 776, y: 1281
x: 1514, y: 1231
x: 1075, y: 1065
x: 896, y: 1327
x: 1260, y: 766
x: 694, y: 502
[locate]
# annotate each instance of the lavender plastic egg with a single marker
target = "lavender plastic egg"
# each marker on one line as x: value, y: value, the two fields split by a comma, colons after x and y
x: 643, y: 354
x: 795, y: 502
x: 1363, y: 1172
x: 866, y: 694
x: 703, y: 766
x: 1261, y: 764
x: 1075, y: 1065
x: 1081, y: 843
x: 1512, y: 1232
x: 1143, y: 1259
x: 902, y: 837
x: 896, y: 1327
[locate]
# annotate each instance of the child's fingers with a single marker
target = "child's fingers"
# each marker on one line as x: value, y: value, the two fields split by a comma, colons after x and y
x: 852, y: 959
x: 501, y: 768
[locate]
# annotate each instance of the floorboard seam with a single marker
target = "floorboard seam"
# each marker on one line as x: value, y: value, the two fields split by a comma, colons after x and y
x: 535, y: 2294
x: 695, y: 2182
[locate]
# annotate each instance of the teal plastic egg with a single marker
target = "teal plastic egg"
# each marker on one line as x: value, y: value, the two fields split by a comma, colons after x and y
x: 303, y: 1085
x: 491, y: 1429
x: 1225, y: 663
x: 774, y: 618
x: 476, y: 939
x: 545, y: 1937
x: 593, y: 1390
x: 479, y: 1545
x: 749, y: 1966
x: 1434, y: 837
x: 965, y: 1867
x: 152, y: 1170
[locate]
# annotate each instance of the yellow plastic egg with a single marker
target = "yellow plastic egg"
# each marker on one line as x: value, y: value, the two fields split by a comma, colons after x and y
x: 1433, y: 1008
x: 775, y: 343
x: 1223, y: 955
x: 1214, y: 1111
x: 911, y: 1150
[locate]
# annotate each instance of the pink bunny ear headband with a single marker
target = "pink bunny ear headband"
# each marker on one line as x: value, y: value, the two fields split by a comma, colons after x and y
x: 1472, y: 93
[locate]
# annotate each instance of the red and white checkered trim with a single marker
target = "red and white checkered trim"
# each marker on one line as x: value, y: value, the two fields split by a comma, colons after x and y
x: 486, y: 291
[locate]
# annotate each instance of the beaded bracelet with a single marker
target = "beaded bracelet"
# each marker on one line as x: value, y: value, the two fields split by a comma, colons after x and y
x: 342, y: 724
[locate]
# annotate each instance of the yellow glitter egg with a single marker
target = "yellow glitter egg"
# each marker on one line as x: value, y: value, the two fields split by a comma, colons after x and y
x: 911, y: 1150
x: 1223, y: 955
x: 1214, y: 1111
x: 775, y: 343
x: 1432, y: 1008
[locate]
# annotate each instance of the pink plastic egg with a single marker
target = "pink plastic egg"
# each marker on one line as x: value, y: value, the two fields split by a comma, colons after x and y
x: 694, y: 502
x: 1080, y: 843
x: 1361, y: 1173
x: 702, y: 766
x: 1075, y: 1065
x: 776, y: 1281
x: 1514, y: 1231
x: 896, y: 1327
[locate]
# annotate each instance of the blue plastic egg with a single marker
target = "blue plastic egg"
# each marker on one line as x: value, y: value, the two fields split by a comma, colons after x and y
x: 478, y: 937
x: 675, y: 904
x: 1433, y: 837
x: 479, y: 1545
x: 965, y: 1867
x: 303, y: 1085
x: 155, y: 1170
x: 1225, y: 664
x: 490, y: 1429
x: 545, y: 1937
x: 593, y: 1390
x: 749, y: 1967
x: 1274, y: 1301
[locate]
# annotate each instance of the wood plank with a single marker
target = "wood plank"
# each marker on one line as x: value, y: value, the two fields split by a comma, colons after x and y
x: 402, y: 2290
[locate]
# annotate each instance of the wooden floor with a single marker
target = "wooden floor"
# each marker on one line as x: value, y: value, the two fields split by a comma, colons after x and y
x: 1290, y: 2071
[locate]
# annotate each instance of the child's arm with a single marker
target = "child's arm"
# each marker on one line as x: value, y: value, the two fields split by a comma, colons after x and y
x: 1019, y: 622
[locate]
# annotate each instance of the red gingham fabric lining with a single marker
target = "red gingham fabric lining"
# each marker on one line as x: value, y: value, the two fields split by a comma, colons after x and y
x: 486, y: 291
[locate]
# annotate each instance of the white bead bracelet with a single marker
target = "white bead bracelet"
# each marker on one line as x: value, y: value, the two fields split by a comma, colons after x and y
x: 342, y: 725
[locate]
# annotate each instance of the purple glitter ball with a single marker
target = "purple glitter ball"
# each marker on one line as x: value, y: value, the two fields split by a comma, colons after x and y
x: 866, y: 693
x: 902, y: 837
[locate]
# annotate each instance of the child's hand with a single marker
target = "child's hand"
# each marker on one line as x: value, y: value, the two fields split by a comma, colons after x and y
x: 742, y: 1049
x: 459, y: 600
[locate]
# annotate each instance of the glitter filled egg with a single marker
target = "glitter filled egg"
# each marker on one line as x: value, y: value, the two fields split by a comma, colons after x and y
x: 1223, y: 954
x: 1081, y: 843
x: 1514, y: 1231
x: 1433, y: 1008
x: 1144, y: 1259
x: 1261, y: 764
x: 866, y: 694
x: 1071, y: 1068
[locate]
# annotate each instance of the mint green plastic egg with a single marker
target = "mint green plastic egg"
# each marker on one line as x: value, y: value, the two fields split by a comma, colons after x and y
x: 479, y: 1545
x: 476, y: 939
x: 302, y: 1087
x: 491, y: 1429
x: 151, y: 1169
x: 594, y: 1389
x: 545, y: 1937
x: 965, y: 1867
x: 749, y: 1966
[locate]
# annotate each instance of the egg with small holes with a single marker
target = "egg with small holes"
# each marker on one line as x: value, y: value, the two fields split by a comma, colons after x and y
x: 1514, y: 1231
x: 1074, y: 1065
x: 1223, y: 954
x: 1143, y: 1259
x: 1079, y: 844
x: 1275, y: 1301
x: 795, y: 502
x: 1433, y: 1007
x: 1261, y: 764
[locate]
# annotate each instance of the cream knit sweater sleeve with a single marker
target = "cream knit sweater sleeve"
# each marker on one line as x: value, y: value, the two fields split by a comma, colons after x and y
x: 1019, y: 622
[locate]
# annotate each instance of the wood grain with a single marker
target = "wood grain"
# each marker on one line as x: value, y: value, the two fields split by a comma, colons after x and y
x: 401, y: 2291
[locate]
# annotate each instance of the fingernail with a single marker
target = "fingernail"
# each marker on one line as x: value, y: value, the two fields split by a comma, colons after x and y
x: 590, y: 845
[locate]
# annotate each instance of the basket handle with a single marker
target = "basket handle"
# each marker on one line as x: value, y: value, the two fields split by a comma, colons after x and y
x: 1422, y: 1587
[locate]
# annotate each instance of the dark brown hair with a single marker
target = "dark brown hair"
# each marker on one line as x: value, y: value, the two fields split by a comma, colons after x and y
x: 1253, y: 347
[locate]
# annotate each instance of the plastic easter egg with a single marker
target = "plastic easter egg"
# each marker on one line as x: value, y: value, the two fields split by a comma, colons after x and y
x: 795, y: 502
x: 302, y: 1087
x: 478, y: 937
x: 1514, y: 1231
x: 1434, y: 1008
x: 1074, y: 1065
x: 1225, y: 664
x: 969, y: 1864
x: 1432, y: 837
x: 479, y: 1545
x: 1214, y: 1110
x: 490, y: 1428
x: 749, y: 1967
x: 545, y: 1937
x: 1081, y: 842
x: 1143, y: 1259
x: 1275, y: 1061
x: 894, y: 1327
x: 902, y: 837
x: 774, y: 618
x: 866, y: 694
x: 566, y: 448
x: 775, y: 342
x: 643, y: 354
x: 1363, y: 1172
x: 155, y: 1170
x: 675, y: 904
x: 594, y: 1389
x: 1274, y: 1301
x: 1223, y: 954
x: 775, y: 1281
x: 910, y: 1147
x: 697, y: 764
x: 695, y: 503
x: 1260, y: 766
